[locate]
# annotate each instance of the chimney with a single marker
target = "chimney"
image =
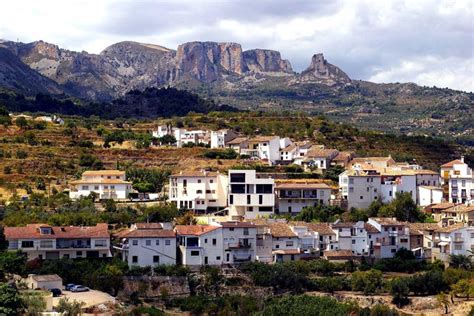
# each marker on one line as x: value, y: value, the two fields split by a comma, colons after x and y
x: 462, y: 158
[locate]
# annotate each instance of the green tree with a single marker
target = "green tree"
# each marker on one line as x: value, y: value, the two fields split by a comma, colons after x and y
x: 460, y: 261
x: 71, y: 308
x: 10, y: 300
x: 443, y: 301
x: 399, y: 289
x: 367, y: 281
x: 21, y: 122
x: 464, y: 288
x: 34, y: 302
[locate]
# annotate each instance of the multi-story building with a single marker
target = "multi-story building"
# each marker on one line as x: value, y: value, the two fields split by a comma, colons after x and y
x: 237, y: 144
x: 459, y: 213
x: 352, y: 236
x: 319, y: 159
x: 289, y: 153
x: 265, y: 148
x: 428, y: 195
x: 292, y: 197
x: 458, y: 181
x: 148, y: 244
x: 106, y: 184
x: 200, y: 244
x: 200, y: 191
x: 250, y: 196
x: 240, y: 241
x: 220, y: 138
x: 457, y: 239
x: 360, y: 188
x: 285, y: 242
x: 393, y: 236
x: 54, y: 242
x: 308, y: 238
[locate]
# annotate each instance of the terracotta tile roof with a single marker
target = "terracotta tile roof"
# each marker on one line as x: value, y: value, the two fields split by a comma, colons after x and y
x: 300, y: 185
x: 370, y: 229
x: 238, y: 225
x: 451, y: 228
x: 452, y: 163
x: 441, y: 206
x: 99, y: 181
x: 289, y: 148
x: 198, y: 173
x: 342, y: 253
x: 152, y: 233
x: 419, y: 228
x: 460, y: 208
x: 46, y: 278
x: 237, y: 141
x: 388, y: 221
x: 32, y: 231
x: 322, y: 153
x: 321, y: 228
x: 366, y: 159
x: 262, y: 138
x: 103, y: 172
x: 343, y: 156
x: 194, y: 230
x: 343, y: 225
x: 281, y: 230
x: 149, y: 226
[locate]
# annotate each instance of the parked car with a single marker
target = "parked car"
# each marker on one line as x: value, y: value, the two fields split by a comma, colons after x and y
x: 69, y: 286
x: 56, y: 292
x: 80, y: 288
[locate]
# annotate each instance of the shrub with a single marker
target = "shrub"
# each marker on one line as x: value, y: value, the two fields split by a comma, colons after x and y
x: 21, y: 154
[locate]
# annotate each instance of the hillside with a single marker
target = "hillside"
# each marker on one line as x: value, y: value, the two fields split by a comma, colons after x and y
x: 255, y: 79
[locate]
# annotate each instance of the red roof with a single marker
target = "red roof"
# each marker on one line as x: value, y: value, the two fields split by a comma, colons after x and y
x: 143, y: 233
x: 32, y: 231
x: 195, y: 230
x: 452, y: 163
x: 238, y: 225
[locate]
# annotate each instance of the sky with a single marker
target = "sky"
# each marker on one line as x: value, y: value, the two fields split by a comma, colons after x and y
x: 429, y: 42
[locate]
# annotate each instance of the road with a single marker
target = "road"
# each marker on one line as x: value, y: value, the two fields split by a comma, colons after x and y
x: 90, y: 298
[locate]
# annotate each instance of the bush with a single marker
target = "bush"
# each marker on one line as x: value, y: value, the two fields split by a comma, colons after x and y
x: 399, y: 288
x: 367, y: 281
x: 88, y: 160
x: 21, y: 154
x: 221, y: 154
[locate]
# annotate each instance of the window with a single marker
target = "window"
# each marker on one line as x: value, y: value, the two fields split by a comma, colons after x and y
x: 45, y: 230
x: 265, y: 209
x: 167, y: 242
x: 85, y: 187
x: 472, y: 235
x: 157, y: 242
x: 351, y: 190
x: 100, y: 243
x: 237, y: 188
x: 96, y: 187
x: 194, y: 253
x: 231, y: 229
x: 78, y: 253
x: 404, y: 240
x: 106, y: 187
x: 199, y: 180
x: 134, y: 259
x: 353, y: 241
x: 289, y: 243
x: 264, y: 188
x: 237, y: 177
x: 214, y: 241
x: 231, y: 199
x: 112, y: 187
x: 198, y: 191
x: 205, y: 240
x: 250, y: 209
x: 148, y: 242
x: 211, y: 181
x: 185, y: 183
x: 46, y: 244
x: 27, y: 244
x: 248, y: 199
x: 156, y: 259
x: 246, y: 231
x: 361, y: 197
x: 260, y: 199
x: 135, y: 242
x: 458, y: 247
x: 208, y: 191
x: 277, y: 246
x: 218, y: 258
x: 368, y: 189
x: 351, y: 180
x: 393, y: 250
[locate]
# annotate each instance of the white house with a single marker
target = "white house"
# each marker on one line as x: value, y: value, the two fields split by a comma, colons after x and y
x: 360, y: 188
x: 149, y: 244
x: 459, y: 181
x: 200, y: 244
x: 428, y: 195
x: 308, y: 238
x: 292, y: 197
x: 107, y: 184
x: 319, y: 159
x: 289, y: 153
x: 456, y: 239
x: 353, y: 237
x: 54, y: 242
x: 44, y: 281
x: 285, y: 242
x: 240, y: 241
x: 265, y: 148
x: 200, y: 191
x: 250, y: 196
x: 163, y: 130
x: 393, y: 236
x: 221, y: 137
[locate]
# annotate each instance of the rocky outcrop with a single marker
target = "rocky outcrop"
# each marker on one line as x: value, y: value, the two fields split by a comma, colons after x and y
x: 265, y: 60
x: 320, y: 71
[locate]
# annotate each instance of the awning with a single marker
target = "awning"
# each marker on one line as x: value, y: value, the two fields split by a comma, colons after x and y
x: 443, y: 243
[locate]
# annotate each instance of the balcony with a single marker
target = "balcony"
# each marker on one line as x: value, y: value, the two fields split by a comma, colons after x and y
x: 239, y: 245
x: 73, y: 244
x: 458, y: 239
x: 290, y: 196
x: 242, y: 259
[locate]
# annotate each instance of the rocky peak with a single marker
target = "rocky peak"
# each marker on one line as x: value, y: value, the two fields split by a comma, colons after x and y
x: 38, y: 50
x: 320, y: 71
x: 265, y: 60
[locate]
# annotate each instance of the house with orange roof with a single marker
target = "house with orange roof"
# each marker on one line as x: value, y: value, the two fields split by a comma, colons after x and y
x: 55, y: 242
x: 458, y: 181
x: 200, y: 244
x: 106, y: 184
x: 455, y: 239
x: 392, y: 236
x: 148, y: 244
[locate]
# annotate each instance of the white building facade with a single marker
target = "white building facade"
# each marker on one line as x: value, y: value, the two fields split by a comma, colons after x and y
x: 106, y: 184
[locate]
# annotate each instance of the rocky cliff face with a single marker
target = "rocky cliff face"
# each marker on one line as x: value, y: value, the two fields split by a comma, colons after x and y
x: 320, y: 71
x: 265, y: 60
x: 128, y: 65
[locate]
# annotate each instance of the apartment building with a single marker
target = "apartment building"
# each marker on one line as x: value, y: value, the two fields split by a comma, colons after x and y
x: 428, y: 195
x: 106, y: 184
x: 308, y: 238
x: 285, y: 242
x: 458, y: 181
x: 199, y: 191
x: 54, y: 242
x: 457, y: 239
x: 266, y: 148
x: 360, y: 188
x: 352, y: 236
x: 148, y: 244
x: 319, y: 159
x: 288, y: 153
x: 240, y: 241
x: 393, y: 236
x: 200, y: 245
x: 458, y: 213
x: 250, y: 196
x: 220, y: 138
x: 292, y: 197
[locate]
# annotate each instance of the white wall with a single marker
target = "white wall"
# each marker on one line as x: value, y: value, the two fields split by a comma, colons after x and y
x: 163, y: 248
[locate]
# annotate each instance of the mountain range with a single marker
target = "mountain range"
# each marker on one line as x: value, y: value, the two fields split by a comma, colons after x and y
x: 251, y: 79
x: 127, y: 66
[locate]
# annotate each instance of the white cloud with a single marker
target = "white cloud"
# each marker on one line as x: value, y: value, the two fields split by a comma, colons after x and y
x: 429, y: 42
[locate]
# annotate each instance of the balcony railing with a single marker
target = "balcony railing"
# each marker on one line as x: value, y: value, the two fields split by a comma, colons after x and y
x: 239, y: 245
x: 290, y: 196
